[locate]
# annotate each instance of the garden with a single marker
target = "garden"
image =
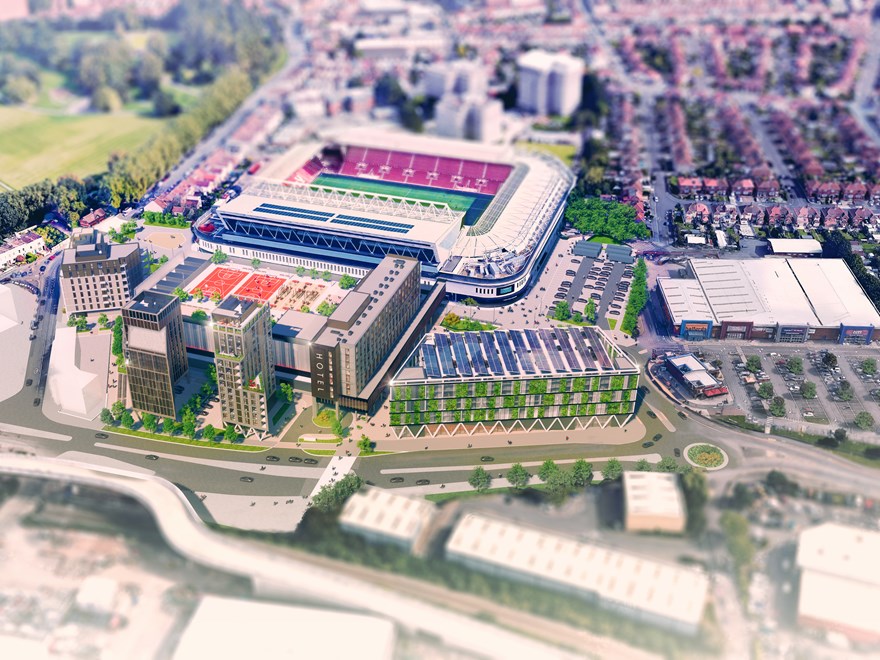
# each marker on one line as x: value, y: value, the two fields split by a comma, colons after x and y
x: 707, y: 456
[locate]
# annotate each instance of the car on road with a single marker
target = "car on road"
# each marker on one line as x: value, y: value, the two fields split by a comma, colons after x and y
x: 247, y: 480
x: 272, y: 459
x: 487, y: 459
x: 423, y: 482
x: 36, y: 402
x: 657, y: 437
x: 677, y: 452
x: 29, y: 382
x: 310, y: 461
x: 647, y: 444
x: 652, y: 414
x: 101, y: 436
x: 151, y: 457
x: 397, y: 480
x: 295, y: 459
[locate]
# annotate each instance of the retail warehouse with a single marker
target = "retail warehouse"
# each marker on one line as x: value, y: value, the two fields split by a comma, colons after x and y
x: 784, y: 300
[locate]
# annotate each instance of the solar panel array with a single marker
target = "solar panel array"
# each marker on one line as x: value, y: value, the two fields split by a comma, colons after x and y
x: 335, y: 218
x: 516, y: 352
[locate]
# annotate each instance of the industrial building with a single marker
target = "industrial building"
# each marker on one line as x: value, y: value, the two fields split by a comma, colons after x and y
x: 245, y: 362
x: 653, y: 502
x: 782, y: 300
x: 549, y: 83
x: 665, y: 595
x: 479, y: 217
x: 97, y: 276
x: 155, y: 354
x: 795, y: 247
x: 380, y: 515
x: 548, y: 378
x: 840, y: 583
x: 694, y: 375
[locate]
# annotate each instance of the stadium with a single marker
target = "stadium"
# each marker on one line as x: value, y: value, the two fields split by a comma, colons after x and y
x: 479, y: 217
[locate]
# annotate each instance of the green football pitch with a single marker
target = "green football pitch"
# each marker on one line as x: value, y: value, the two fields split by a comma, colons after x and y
x: 457, y: 201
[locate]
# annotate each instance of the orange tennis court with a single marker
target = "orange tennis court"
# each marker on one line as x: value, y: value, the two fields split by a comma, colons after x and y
x: 260, y: 287
x: 220, y: 280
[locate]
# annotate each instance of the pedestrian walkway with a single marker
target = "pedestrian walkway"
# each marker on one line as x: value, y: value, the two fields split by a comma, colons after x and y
x: 336, y: 469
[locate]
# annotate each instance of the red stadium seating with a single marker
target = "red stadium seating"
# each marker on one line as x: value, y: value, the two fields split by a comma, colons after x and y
x: 473, y: 169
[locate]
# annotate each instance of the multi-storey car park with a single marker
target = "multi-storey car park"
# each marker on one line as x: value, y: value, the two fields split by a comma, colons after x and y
x: 506, y: 380
x: 478, y: 217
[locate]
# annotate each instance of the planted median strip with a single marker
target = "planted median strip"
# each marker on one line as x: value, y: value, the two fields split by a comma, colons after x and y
x: 182, y: 441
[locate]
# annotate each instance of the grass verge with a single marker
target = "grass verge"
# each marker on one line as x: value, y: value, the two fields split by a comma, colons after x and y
x: 182, y: 441
x: 320, y: 452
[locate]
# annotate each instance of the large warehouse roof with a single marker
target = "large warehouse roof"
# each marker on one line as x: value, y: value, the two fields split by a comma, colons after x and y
x: 381, y: 512
x: 816, y: 292
x: 795, y: 246
x: 664, y: 590
x: 840, y: 582
x: 653, y: 494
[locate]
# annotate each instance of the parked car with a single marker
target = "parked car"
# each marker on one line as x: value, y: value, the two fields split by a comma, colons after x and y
x: 101, y: 436
x: 247, y: 480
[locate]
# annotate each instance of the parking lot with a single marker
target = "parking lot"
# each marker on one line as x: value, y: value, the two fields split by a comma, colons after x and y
x: 828, y: 406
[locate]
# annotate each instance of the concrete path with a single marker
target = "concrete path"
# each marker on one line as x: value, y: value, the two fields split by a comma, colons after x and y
x: 491, y: 467
x: 337, y: 468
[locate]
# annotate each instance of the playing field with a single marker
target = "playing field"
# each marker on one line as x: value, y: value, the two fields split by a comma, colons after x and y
x: 220, y: 280
x: 458, y: 201
x: 36, y: 146
x: 260, y: 287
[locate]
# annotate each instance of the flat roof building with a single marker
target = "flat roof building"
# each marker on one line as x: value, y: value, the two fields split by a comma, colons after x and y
x: 693, y: 374
x: 784, y: 300
x: 380, y: 515
x: 795, y: 247
x: 664, y: 595
x: 653, y: 502
x: 840, y: 582
x: 96, y: 275
x: 546, y: 378
x: 549, y: 83
x: 155, y: 353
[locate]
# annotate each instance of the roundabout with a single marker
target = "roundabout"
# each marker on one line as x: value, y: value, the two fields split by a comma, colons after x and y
x: 707, y: 456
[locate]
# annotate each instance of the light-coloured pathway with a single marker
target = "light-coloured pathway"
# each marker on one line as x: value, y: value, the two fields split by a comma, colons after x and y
x: 337, y: 468
x: 651, y: 458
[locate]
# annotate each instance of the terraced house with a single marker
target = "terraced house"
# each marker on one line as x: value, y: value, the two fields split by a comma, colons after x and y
x: 508, y: 380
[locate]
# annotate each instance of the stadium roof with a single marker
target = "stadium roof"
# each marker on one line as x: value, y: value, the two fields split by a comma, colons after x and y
x: 233, y: 628
x: 366, y: 136
x: 664, y: 590
x: 653, y: 494
x: 383, y: 513
x: 816, y: 292
x: 516, y: 353
x: 795, y: 246
x: 840, y: 582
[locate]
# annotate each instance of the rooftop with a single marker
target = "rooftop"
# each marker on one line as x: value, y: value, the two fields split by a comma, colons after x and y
x: 653, y: 494
x: 693, y: 370
x: 233, y: 308
x: 665, y: 590
x: 383, y: 513
x: 150, y: 302
x: 795, y: 246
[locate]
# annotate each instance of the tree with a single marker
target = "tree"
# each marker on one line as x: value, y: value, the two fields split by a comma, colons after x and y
x: 165, y: 104
x: 255, y: 263
x: 365, y: 445
x: 696, y: 496
x: 840, y: 435
x: 845, y: 391
x: 559, y: 484
x: 230, y: 434
x: 612, y: 470
x: 643, y: 465
x: 326, y: 276
x: 106, y: 99
x: 829, y: 360
x: 199, y: 315
x: 795, y: 365
x: 337, y: 429
x: 753, y: 364
x: 577, y: 317
x: 864, y: 420
x: 102, y: 320
x: 180, y: 293
x: 209, y: 433
x: 480, y: 479
x: 808, y: 390
x: 347, y: 282
x: 562, y: 311
x: 189, y: 423
x: 216, y: 297
x: 547, y: 468
x: 777, y: 406
x: 286, y: 391
x: 779, y: 483
x: 219, y: 256
x: 590, y: 311
x: 212, y: 373
x: 581, y: 473
x: 150, y: 422
x: 765, y: 390
x: 126, y: 419
x: 117, y: 408
x: 300, y: 271
x: 167, y: 426
x: 743, y: 497
x: 518, y: 476
x: 869, y: 366
x: 333, y: 496
x: 667, y: 464
x: 106, y: 416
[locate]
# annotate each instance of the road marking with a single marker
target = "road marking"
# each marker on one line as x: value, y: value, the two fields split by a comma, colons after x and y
x: 651, y: 458
x: 12, y: 429
x: 300, y: 472
x: 334, y: 471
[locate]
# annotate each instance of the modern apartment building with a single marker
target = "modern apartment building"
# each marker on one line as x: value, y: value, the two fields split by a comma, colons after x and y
x: 245, y: 360
x: 549, y: 83
x: 362, y: 332
x: 96, y: 275
x: 155, y: 353
x: 485, y: 382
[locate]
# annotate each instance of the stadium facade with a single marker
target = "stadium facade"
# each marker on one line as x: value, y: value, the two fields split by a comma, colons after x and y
x: 513, y: 380
x: 775, y: 299
x: 480, y: 218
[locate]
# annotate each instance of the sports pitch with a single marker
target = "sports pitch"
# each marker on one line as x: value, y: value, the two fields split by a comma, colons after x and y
x: 457, y: 201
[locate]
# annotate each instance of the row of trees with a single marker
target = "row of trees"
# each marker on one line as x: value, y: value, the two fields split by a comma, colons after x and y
x: 638, y: 298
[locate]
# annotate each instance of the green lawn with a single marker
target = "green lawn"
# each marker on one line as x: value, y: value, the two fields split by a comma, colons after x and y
x: 564, y: 152
x: 457, y: 201
x: 612, y: 323
x: 36, y: 146
x: 182, y: 440
x: 607, y: 240
x: 320, y: 452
